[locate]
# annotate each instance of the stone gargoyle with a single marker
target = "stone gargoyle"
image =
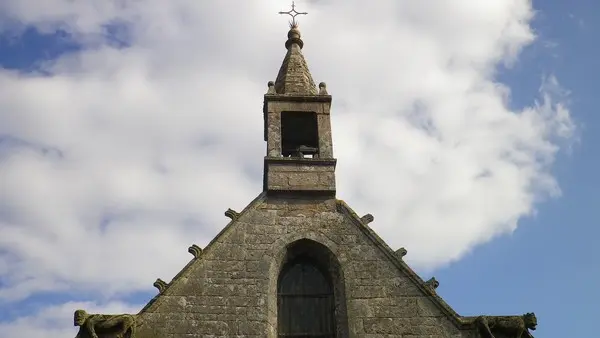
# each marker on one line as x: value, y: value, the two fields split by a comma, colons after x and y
x: 117, y: 326
x: 507, y: 326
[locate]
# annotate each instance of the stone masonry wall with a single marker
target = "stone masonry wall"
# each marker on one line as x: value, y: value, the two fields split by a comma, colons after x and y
x: 287, y: 174
x: 230, y: 290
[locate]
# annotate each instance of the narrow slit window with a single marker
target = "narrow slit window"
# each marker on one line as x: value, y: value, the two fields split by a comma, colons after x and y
x: 299, y: 134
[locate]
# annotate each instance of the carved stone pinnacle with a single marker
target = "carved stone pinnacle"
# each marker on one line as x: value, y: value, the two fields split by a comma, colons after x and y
x: 195, y: 250
x: 232, y: 214
x: 271, y: 90
x: 160, y: 284
x: 366, y: 219
x: 322, y: 88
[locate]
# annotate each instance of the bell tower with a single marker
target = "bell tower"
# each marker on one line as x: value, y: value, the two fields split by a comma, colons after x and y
x: 297, y: 128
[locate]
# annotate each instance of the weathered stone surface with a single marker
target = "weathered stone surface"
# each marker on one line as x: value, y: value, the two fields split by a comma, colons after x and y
x: 401, y: 252
x: 300, y: 175
x: 231, y: 214
x: 160, y: 284
x: 195, y: 250
x: 104, y: 326
x: 294, y: 77
x: 229, y: 290
x: 502, y: 326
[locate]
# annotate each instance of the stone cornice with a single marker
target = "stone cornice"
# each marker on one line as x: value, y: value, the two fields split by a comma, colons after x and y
x: 297, y: 98
x: 305, y: 161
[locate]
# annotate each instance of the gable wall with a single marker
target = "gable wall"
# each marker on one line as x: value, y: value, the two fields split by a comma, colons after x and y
x: 231, y: 289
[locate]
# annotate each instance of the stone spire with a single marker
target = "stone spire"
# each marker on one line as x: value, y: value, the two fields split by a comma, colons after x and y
x: 294, y: 77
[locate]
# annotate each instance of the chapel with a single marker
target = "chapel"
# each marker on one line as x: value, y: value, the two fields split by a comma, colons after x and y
x: 297, y: 262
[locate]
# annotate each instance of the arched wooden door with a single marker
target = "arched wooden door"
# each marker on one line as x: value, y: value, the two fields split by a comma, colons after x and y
x: 305, y: 301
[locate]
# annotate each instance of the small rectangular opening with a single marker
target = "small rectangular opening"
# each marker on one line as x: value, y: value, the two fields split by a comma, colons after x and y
x: 299, y: 134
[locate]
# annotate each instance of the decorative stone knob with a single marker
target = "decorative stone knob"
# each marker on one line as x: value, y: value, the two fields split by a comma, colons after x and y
x: 366, y: 219
x: 232, y: 214
x: 401, y: 252
x: 322, y: 88
x: 271, y: 86
x: 160, y: 284
x: 195, y: 250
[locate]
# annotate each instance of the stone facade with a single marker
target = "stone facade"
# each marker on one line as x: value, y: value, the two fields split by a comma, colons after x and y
x: 231, y: 288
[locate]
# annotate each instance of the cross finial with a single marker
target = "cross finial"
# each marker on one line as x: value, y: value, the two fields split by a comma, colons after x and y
x: 293, y: 13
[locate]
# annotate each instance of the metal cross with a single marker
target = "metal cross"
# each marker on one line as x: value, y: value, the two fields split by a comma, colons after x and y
x: 293, y: 13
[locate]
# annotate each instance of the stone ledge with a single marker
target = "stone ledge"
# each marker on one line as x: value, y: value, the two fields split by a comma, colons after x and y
x: 305, y: 161
x: 297, y: 98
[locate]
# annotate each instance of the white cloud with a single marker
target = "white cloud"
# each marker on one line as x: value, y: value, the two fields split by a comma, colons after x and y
x: 120, y: 158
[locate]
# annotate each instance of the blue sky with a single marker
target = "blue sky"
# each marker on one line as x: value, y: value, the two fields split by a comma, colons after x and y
x: 547, y: 265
